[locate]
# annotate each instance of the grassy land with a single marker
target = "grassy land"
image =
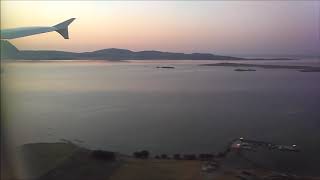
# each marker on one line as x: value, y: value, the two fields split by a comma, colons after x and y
x: 39, y: 158
x: 65, y: 161
x: 135, y: 169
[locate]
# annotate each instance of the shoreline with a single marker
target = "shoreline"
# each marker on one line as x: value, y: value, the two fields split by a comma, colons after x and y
x: 265, y: 66
x: 125, y: 60
x: 65, y: 160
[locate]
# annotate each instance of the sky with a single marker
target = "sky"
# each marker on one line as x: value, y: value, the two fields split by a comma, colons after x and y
x: 220, y: 27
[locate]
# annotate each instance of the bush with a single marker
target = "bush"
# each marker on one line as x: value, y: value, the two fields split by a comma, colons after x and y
x: 206, y: 156
x: 189, y: 157
x: 164, y: 156
x: 177, y: 157
x: 221, y: 155
x: 103, y: 155
x: 145, y: 154
x: 141, y: 154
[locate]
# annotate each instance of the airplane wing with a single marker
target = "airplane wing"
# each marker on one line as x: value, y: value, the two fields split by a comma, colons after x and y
x: 61, y: 28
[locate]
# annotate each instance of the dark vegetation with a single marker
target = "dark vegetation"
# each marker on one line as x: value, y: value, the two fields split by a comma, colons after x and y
x: 61, y: 160
x: 177, y: 157
x: 141, y: 154
x: 103, y: 155
x: 202, y: 157
x: 206, y: 156
x: 189, y: 157
x: 164, y: 156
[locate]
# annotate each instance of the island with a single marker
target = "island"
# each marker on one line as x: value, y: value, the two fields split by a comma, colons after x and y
x: 241, y: 70
x: 265, y: 66
x: 310, y: 70
x: 165, y: 67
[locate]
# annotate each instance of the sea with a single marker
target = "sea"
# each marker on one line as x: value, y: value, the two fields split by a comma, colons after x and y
x: 126, y: 106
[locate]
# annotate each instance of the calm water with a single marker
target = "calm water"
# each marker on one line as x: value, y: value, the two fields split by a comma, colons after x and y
x: 133, y: 105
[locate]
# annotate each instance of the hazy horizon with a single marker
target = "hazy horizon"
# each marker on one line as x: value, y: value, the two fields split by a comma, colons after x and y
x: 225, y: 28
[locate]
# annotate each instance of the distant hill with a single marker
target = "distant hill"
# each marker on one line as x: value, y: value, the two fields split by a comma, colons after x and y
x: 9, y: 51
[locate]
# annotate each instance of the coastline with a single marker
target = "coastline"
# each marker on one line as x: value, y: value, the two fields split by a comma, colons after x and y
x: 65, y: 160
x: 265, y: 66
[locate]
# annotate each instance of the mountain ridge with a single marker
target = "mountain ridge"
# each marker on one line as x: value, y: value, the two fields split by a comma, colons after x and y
x: 9, y: 51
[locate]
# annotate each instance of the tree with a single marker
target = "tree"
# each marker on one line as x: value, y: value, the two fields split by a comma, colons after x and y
x: 164, y: 156
x: 189, y: 157
x: 141, y: 154
x: 103, y: 155
x: 177, y: 156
